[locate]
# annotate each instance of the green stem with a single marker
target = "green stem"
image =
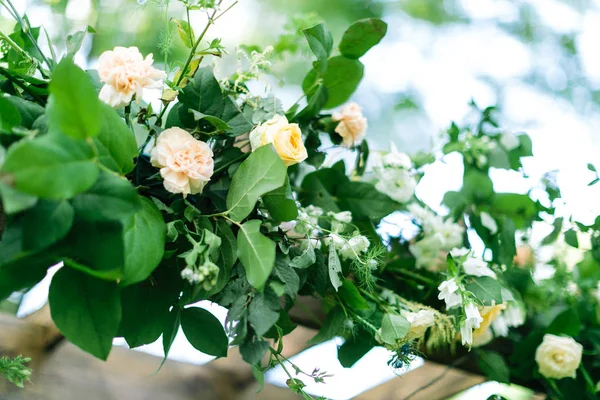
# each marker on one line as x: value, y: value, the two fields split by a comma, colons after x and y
x: 6, y: 73
x: 414, y: 276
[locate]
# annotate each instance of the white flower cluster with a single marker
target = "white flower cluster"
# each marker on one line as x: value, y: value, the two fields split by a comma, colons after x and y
x: 439, y: 236
x: 394, y: 177
x: 205, y: 274
x: 475, y: 149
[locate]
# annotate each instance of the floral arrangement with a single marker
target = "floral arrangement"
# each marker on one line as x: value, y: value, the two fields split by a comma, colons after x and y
x: 222, y: 194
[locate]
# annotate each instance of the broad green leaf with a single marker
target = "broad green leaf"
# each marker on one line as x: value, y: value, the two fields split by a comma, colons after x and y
x: 571, y: 238
x: 185, y: 31
x: 263, y: 311
x: 9, y: 115
x: 75, y: 41
x: 262, y: 172
x: 320, y: 40
x: 51, y: 166
x: 256, y: 252
x: 23, y: 274
x: 46, y: 223
x: 115, y: 143
x: 566, y: 323
x: 493, y: 365
x: 111, y: 198
x: 281, y: 204
x: 73, y: 106
x: 364, y: 201
x: 86, y: 310
x: 331, y: 327
x: 287, y: 275
x: 144, y: 234
x: 28, y: 110
x: 341, y: 78
x: 14, y: 201
x: 306, y: 259
x: 319, y: 188
x: 318, y: 99
x: 204, y: 331
x: 351, y: 296
x: 354, y: 348
x: 518, y: 207
x: 228, y: 254
x: 362, y: 36
x: 217, y: 123
x: 253, y: 349
x: 486, y: 289
x: 335, y: 268
x: 393, y: 328
x: 477, y: 186
x: 508, y: 246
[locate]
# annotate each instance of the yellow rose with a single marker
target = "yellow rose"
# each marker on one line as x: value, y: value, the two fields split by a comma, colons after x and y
x: 186, y: 163
x: 489, y: 314
x: 285, y: 137
x: 558, y: 357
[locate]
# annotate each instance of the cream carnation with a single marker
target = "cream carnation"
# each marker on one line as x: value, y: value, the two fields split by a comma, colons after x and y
x: 558, y: 357
x: 285, y: 137
x: 125, y: 73
x: 352, y: 124
x: 186, y: 164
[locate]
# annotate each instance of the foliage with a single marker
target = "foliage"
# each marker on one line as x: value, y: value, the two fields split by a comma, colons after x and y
x: 15, y: 370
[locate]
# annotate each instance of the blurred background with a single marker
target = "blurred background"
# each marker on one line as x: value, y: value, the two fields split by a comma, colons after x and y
x: 538, y: 61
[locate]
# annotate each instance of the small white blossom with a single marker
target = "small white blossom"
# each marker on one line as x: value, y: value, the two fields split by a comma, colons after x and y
x: 451, y: 234
x: 450, y: 294
x: 477, y: 267
x: 344, y: 216
x: 396, y: 183
x: 427, y: 252
x: 500, y: 326
x: 489, y: 222
x: 510, y: 141
x: 396, y: 159
x: 459, y: 252
x: 514, y: 315
x: 473, y: 320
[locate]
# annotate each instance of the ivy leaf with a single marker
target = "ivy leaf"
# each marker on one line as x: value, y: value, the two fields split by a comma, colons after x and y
x: 144, y: 235
x: 320, y: 40
x: 281, y: 204
x: 262, y: 172
x: 486, y: 289
x: 51, y: 166
x: 335, y: 268
x: 256, y: 252
x: 362, y: 36
x: 73, y: 106
x: 86, y: 310
x: 46, y: 223
x: 204, y: 331
x: 393, y: 328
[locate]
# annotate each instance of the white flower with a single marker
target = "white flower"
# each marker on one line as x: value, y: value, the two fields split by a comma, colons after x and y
x: 450, y: 294
x: 395, y: 159
x: 396, y: 183
x: 424, y: 216
x: 352, y: 248
x: 344, y: 216
x: 489, y: 222
x: 510, y: 141
x: 419, y: 322
x: 427, y: 252
x: 451, y: 234
x: 289, y: 228
x: 472, y: 321
x: 477, y: 267
x: 352, y: 124
x: 459, y: 252
x: 500, y: 326
x: 543, y: 271
x: 186, y: 164
x: 558, y: 357
x: 125, y: 73
x: 285, y: 137
x: 514, y: 314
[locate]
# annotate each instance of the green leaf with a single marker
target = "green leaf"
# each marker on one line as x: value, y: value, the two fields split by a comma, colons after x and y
x: 351, y: 296
x: 335, y: 268
x: 263, y: 311
x: 306, y: 259
x: 318, y: 99
x: 14, y: 201
x: 319, y: 188
x: 86, y: 310
x: 9, y: 115
x: 28, y: 110
x: 228, y: 253
x: 354, y: 348
x: 185, y: 31
x: 111, y: 198
x: 320, y: 40
x: 341, y: 78
x: 566, y: 323
x: 477, y: 186
x: 518, y: 207
x: 508, y: 245
x: 493, y: 365
x: 256, y: 252
x: 144, y: 235
x: 253, y: 349
x: 46, y: 223
x: 73, y: 106
x: 217, y: 123
x: 571, y: 238
x: 393, y: 328
x: 115, y: 143
x: 364, y: 201
x: 170, y: 331
x: 331, y: 327
x: 51, y: 166
x: 23, y: 273
x: 204, y: 331
x: 361, y: 36
x: 285, y: 272
x: 75, y: 41
x: 262, y: 172
x: 281, y: 204
x: 486, y: 289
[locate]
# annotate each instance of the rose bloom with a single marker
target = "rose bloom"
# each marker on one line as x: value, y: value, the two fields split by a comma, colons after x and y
x: 489, y: 314
x: 285, y: 137
x: 352, y: 124
x: 186, y: 164
x: 125, y: 73
x: 419, y: 322
x: 558, y: 357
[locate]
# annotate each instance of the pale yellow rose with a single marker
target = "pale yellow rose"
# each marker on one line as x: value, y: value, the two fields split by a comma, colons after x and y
x: 285, y: 137
x: 352, y: 124
x: 125, y: 73
x: 489, y: 314
x: 186, y: 164
x: 419, y: 322
x: 558, y: 357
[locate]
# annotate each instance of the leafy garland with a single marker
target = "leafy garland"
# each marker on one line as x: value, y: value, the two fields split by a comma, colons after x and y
x: 226, y: 198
